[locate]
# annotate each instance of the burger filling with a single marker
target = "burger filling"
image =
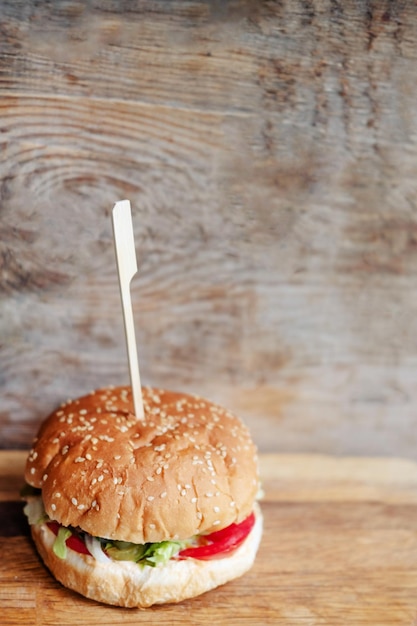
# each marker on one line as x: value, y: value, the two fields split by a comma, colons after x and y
x: 207, y: 546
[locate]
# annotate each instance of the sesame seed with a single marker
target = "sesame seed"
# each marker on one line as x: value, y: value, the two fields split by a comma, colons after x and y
x: 44, y: 477
x: 193, y: 500
x: 209, y: 494
x: 183, y: 492
x: 93, y: 504
x: 152, y: 526
x: 74, y: 501
x: 88, y: 456
x: 150, y: 478
x: 100, y: 478
x: 216, y: 509
x: 216, y: 523
x: 32, y: 470
x: 150, y: 498
x: 53, y: 507
x: 106, y: 438
x: 163, y: 494
x: 80, y: 507
x: 117, y: 457
x: 79, y: 459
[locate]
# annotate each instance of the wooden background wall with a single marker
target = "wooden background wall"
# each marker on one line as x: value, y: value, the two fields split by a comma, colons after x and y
x: 269, y: 150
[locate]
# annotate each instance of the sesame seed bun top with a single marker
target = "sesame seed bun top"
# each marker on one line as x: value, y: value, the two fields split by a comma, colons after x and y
x: 189, y: 467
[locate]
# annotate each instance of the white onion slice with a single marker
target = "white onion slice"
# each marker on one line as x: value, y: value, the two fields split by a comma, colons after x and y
x: 94, y: 546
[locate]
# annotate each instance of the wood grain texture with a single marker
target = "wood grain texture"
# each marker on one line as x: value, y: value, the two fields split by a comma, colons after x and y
x: 268, y: 150
x: 339, y: 548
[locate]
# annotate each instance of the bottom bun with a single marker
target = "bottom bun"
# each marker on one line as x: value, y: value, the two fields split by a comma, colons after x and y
x: 124, y: 583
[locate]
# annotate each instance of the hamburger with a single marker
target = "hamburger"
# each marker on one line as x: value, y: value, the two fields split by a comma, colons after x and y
x: 140, y: 512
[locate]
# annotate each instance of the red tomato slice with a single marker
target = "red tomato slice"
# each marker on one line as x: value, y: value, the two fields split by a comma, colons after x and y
x: 221, y: 542
x: 73, y: 542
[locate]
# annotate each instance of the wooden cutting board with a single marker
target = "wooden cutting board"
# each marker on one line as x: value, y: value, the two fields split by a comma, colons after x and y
x: 339, y: 547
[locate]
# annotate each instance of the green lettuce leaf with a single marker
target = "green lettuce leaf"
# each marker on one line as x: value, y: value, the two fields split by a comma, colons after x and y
x: 152, y: 554
x: 125, y: 551
x: 35, y: 512
x: 59, y: 547
x: 159, y: 553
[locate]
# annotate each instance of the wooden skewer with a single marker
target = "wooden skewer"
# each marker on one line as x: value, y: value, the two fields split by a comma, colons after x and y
x: 127, y: 267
